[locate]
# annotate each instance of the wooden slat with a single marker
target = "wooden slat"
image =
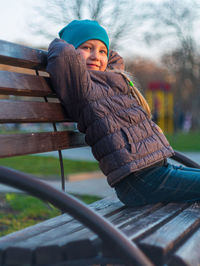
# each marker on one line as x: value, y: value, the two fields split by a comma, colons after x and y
x: 61, y: 231
x: 18, y: 257
x: 22, y: 56
x: 42, y: 248
x: 132, y: 214
x: 28, y: 232
x: 55, y: 236
x: 51, y: 255
x: 144, y: 222
x: 137, y: 229
x: 58, y: 242
x: 75, y: 244
x: 104, y: 206
x: 28, y: 112
x: 188, y: 253
x: 12, y: 83
x: 20, y: 144
x: 158, y: 245
x: 108, y: 206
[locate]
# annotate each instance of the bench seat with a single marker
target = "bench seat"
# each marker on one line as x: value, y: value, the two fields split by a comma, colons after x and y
x: 167, y: 233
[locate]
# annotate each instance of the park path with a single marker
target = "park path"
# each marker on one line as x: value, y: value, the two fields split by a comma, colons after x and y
x: 87, y: 183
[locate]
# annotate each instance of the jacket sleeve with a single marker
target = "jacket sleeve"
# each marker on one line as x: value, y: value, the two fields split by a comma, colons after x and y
x: 69, y: 76
x: 115, y: 61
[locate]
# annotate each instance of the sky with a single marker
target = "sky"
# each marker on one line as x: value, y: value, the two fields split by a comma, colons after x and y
x: 15, y: 18
x: 14, y: 21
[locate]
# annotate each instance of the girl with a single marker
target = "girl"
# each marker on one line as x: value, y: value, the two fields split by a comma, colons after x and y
x: 131, y: 149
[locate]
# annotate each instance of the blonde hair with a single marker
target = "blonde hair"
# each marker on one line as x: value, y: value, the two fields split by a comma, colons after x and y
x: 135, y: 92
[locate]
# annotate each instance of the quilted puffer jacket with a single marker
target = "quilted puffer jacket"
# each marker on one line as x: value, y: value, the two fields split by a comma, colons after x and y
x: 122, y: 137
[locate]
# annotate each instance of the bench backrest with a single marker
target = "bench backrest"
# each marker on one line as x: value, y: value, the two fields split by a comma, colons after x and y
x: 27, y: 99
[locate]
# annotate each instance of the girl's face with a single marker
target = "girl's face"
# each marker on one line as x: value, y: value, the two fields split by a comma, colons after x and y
x: 95, y: 54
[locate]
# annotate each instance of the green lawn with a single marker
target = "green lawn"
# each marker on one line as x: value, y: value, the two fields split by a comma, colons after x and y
x: 18, y: 211
x: 47, y: 167
x: 185, y: 141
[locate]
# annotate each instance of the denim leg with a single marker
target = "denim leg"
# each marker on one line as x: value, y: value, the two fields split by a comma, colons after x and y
x: 160, y: 184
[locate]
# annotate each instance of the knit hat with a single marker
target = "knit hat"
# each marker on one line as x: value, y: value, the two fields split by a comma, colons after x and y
x: 80, y: 31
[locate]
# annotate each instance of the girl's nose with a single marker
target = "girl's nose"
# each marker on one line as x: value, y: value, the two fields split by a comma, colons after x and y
x: 94, y: 54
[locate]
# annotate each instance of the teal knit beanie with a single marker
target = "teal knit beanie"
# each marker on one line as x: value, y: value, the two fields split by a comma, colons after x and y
x: 80, y: 31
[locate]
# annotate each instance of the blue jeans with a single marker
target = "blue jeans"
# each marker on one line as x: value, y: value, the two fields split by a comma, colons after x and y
x: 167, y: 183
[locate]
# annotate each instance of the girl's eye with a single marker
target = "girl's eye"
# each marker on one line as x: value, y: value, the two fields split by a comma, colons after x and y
x: 103, y: 52
x: 86, y: 47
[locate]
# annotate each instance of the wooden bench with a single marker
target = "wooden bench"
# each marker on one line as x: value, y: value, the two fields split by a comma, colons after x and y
x: 106, y: 233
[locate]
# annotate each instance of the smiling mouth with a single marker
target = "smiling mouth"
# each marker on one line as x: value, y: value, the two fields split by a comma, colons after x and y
x: 93, y: 66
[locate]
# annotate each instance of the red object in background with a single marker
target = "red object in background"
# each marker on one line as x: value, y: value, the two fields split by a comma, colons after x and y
x: 159, y: 85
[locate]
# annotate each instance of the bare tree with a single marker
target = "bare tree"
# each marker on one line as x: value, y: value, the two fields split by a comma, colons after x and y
x: 176, y: 24
x: 117, y: 16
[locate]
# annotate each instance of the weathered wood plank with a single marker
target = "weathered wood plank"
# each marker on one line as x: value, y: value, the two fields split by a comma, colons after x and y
x: 146, y: 224
x: 108, y: 206
x: 59, y: 241
x: 59, y: 233
x: 58, y: 221
x: 17, y: 256
x: 188, y: 253
x: 80, y: 244
x: 36, y: 229
x: 29, y: 112
x: 51, y: 229
x: 50, y: 255
x: 141, y: 224
x: 52, y: 237
x: 127, y: 215
x: 24, y: 85
x: 29, y: 143
x: 158, y: 245
x: 22, y: 56
x: 39, y: 248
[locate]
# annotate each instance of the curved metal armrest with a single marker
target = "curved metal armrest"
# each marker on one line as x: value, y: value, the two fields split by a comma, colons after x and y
x: 103, y: 228
x: 179, y: 157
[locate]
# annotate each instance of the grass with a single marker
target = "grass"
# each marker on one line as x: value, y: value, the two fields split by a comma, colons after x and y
x: 47, y: 167
x: 185, y: 141
x: 18, y: 211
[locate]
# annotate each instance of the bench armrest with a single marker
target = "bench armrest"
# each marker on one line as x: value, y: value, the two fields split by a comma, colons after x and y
x: 179, y: 157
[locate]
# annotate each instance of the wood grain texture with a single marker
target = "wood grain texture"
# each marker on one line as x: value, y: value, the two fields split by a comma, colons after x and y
x: 29, y: 143
x: 12, y: 83
x: 64, y: 238
x: 188, y: 253
x: 126, y: 216
x: 36, y: 229
x: 158, y: 244
x: 149, y: 222
x: 56, y: 222
x: 22, y: 56
x: 31, y: 112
